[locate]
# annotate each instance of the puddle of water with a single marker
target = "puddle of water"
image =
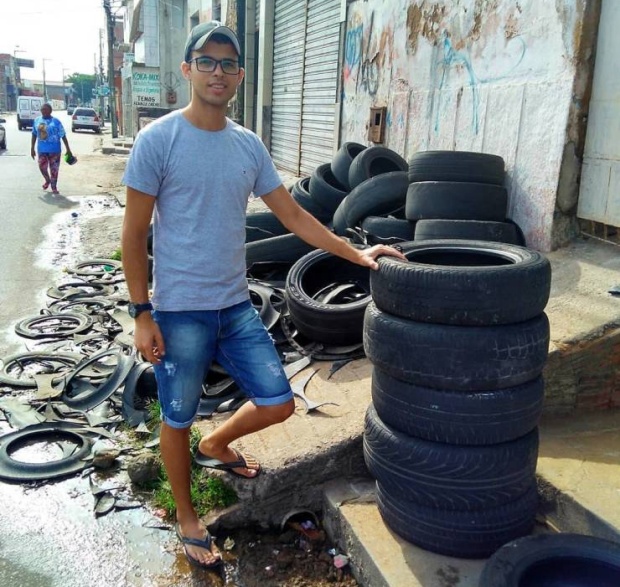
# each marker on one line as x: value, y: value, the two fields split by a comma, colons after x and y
x: 43, y: 452
x: 51, y: 538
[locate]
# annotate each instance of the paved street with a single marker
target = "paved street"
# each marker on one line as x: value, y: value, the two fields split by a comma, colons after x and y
x: 26, y: 209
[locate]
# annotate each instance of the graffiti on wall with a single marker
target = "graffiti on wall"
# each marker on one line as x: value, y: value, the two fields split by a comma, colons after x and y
x: 359, y: 65
x: 459, y: 61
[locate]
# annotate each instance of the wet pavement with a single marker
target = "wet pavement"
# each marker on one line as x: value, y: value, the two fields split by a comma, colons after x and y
x: 51, y: 538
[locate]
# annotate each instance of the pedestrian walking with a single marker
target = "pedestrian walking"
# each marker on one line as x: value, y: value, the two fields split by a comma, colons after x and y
x: 47, y: 132
x: 194, y: 169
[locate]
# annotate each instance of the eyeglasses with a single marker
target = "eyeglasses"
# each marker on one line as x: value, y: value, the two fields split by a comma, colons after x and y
x: 209, y: 65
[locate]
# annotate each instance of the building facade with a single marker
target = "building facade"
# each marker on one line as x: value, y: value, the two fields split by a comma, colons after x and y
x: 511, y: 79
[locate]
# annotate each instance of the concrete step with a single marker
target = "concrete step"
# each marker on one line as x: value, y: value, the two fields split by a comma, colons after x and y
x: 380, y: 558
x: 114, y: 150
x: 579, y: 482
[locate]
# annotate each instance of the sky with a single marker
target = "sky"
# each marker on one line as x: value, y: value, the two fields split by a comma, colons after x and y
x: 63, y: 32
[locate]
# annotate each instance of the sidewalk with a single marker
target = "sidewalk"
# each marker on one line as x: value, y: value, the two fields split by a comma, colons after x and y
x: 118, y: 146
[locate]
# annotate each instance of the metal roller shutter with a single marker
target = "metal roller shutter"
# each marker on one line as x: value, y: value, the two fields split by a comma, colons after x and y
x: 288, y: 58
x: 257, y: 14
x: 305, y: 78
x: 320, y: 84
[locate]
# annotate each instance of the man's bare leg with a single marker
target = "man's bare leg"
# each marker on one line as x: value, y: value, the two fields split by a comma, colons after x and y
x: 247, y: 419
x: 174, y: 445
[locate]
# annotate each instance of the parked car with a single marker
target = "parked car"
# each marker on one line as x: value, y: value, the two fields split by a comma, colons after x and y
x: 85, y: 118
x: 2, y: 134
x: 71, y: 108
x: 28, y: 109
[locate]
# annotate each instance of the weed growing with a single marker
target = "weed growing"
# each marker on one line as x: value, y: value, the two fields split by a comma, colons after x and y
x: 207, y: 492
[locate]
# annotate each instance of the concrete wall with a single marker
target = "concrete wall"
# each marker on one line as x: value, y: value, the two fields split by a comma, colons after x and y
x: 495, y: 76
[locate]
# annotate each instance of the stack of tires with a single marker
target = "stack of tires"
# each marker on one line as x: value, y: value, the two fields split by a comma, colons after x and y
x: 459, y: 195
x: 458, y: 340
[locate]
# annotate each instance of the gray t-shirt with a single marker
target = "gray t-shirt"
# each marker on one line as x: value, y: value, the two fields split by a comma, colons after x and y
x: 202, y: 181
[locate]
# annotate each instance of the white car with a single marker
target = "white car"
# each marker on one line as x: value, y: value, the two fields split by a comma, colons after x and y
x: 85, y: 118
x: 2, y: 134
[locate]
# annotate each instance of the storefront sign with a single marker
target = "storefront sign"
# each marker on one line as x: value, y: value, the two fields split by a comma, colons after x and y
x: 145, y: 86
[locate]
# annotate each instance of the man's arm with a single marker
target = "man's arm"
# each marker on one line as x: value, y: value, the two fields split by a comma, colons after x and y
x: 33, y: 142
x: 138, y: 214
x: 307, y: 227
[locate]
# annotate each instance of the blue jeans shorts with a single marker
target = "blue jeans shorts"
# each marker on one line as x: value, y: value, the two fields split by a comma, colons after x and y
x: 237, y: 339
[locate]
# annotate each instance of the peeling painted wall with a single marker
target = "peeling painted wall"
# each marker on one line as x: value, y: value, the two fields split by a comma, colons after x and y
x: 494, y: 76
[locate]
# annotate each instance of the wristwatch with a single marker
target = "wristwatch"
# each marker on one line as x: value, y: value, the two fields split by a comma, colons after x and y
x: 136, y: 309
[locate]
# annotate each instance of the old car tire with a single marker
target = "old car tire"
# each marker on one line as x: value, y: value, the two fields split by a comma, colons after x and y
x: 447, y: 476
x: 96, y: 268
x: 456, y: 201
x: 341, y: 162
x: 86, y: 400
x: 69, y: 323
x: 378, y: 196
x: 478, y: 230
x: 59, y: 363
x: 389, y: 227
x: 472, y: 358
x: 266, y: 221
x: 458, y: 417
x: 18, y: 470
x: 302, y: 196
x: 472, y: 534
x: 554, y: 560
x: 325, y: 189
x: 328, y: 322
x: 472, y: 283
x: 461, y: 166
x: 374, y: 161
x: 286, y: 248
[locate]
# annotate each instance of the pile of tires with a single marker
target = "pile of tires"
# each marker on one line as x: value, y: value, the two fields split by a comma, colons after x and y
x: 326, y: 297
x: 458, y: 339
x: 459, y: 195
x: 359, y: 182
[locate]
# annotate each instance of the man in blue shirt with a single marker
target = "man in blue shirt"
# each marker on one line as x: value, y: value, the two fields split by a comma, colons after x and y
x: 48, y: 131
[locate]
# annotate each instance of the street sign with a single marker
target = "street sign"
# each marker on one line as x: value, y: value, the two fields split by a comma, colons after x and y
x: 24, y: 62
x: 104, y: 90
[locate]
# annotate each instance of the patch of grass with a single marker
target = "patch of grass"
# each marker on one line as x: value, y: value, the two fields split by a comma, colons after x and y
x: 153, y: 410
x: 207, y: 492
x: 116, y: 255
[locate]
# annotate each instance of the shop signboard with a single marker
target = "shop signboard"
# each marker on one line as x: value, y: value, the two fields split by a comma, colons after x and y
x: 145, y: 86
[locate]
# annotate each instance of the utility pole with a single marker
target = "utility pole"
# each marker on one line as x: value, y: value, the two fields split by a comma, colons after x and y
x: 44, y: 84
x: 112, y: 94
x: 64, y: 90
x: 100, y: 77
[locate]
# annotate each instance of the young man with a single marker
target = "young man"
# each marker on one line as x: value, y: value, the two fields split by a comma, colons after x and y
x: 48, y: 131
x: 195, y: 169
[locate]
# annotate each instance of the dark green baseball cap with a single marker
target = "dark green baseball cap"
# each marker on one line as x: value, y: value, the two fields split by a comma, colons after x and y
x: 201, y: 34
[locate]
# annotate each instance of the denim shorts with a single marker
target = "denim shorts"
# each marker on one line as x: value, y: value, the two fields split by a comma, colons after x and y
x: 237, y: 339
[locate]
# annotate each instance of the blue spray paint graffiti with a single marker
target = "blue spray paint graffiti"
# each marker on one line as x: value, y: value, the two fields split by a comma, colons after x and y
x: 357, y: 63
x: 453, y: 59
x: 353, y: 50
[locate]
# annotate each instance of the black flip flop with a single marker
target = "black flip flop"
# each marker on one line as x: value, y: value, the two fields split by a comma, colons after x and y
x: 210, y: 463
x: 206, y: 544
